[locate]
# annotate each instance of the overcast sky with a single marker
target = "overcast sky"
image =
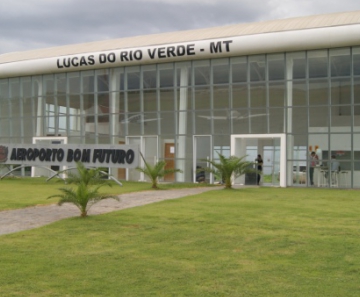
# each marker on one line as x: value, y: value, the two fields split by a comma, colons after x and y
x: 31, y: 24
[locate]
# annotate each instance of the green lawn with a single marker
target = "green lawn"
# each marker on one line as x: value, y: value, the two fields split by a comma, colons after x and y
x: 245, y: 242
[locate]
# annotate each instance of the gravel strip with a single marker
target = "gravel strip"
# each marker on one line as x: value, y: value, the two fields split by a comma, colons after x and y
x: 12, y: 221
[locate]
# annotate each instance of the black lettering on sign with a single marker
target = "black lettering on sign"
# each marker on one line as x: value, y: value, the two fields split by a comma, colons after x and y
x: 130, y: 156
x: 91, y: 60
x: 30, y: 154
x: 161, y: 52
x: 75, y: 61
x: 85, y: 158
x: 152, y: 53
x: 180, y: 50
x: 138, y: 55
x: 48, y: 155
x: 42, y: 155
x: 172, y: 51
x: 103, y: 58
x: 60, y: 155
x: 131, y: 56
x: 70, y: 155
x: 217, y: 47
x: 13, y: 155
x: 77, y: 155
x: 122, y: 155
x: 190, y: 49
x: 36, y: 153
x: 111, y: 57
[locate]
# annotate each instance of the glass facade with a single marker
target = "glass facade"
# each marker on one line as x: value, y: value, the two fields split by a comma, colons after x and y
x: 313, y: 97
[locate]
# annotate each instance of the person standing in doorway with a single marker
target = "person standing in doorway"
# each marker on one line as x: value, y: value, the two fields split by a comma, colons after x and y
x: 259, y: 161
x: 313, y: 162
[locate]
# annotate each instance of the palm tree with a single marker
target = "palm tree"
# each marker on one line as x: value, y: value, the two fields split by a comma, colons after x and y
x: 155, y: 172
x: 228, y: 168
x: 86, y: 192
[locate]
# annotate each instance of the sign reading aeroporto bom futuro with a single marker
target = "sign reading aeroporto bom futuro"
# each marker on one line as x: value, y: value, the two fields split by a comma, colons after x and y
x: 115, y: 156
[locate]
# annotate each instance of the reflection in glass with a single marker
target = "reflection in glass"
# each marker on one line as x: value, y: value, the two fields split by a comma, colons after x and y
x: 220, y: 71
x: 258, y: 121
x: 203, y: 122
x: 340, y: 62
x: 276, y: 120
x: 276, y: 94
x: 276, y: 67
x: 149, y: 77
x: 221, y: 97
x: 240, y: 96
x: 257, y: 68
x: 299, y: 93
x: 166, y: 75
x: 239, y: 69
x: 319, y: 119
x: 299, y: 120
x: 167, y: 100
x: 318, y: 92
x: 296, y: 62
x: 202, y: 73
x: 258, y: 95
x: 150, y: 100
x: 202, y: 99
x: 318, y: 64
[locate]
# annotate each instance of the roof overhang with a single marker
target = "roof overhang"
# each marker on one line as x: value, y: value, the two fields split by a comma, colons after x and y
x: 273, y: 42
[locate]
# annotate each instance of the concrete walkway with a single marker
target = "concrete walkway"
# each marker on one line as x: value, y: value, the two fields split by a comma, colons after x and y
x: 12, y: 221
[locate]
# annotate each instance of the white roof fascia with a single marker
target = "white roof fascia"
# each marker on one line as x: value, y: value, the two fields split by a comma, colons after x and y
x: 274, y: 42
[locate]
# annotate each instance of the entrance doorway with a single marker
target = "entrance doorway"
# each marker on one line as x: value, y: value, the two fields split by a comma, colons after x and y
x: 148, y: 146
x: 202, y: 152
x: 169, y: 157
x: 272, y: 148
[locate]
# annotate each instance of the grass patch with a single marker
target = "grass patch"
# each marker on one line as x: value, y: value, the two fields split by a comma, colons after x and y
x: 23, y: 192
x: 248, y: 242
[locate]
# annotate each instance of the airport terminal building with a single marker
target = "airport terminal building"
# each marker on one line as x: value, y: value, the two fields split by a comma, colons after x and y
x: 280, y: 88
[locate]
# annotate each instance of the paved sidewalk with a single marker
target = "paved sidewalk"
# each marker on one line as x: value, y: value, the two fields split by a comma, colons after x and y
x: 12, y: 221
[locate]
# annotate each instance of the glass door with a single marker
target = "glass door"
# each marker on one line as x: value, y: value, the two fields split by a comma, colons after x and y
x: 202, y: 152
x: 148, y: 146
x: 271, y: 148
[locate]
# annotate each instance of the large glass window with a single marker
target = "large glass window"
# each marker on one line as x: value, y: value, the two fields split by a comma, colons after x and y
x: 296, y: 65
x: 356, y: 60
x: 239, y: 96
x: 313, y: 96
x: 318, y: 64
x: 202, y: 73
x: 149, y: 77
x: 239, y: 70
x: 276, y: 67
x: 340, y: 62
x: 166, y: 75
x: 221, y: 74
x: 258, y: 95
x: 257, y: 68
x: 202, y: 98
x: 299, y: 120
x: 277, y: 94
x: 319, y: 92
x: 221, y: 97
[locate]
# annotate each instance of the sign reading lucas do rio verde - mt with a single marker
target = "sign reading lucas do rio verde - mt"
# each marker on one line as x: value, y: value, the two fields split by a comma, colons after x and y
x: 116, y: 156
